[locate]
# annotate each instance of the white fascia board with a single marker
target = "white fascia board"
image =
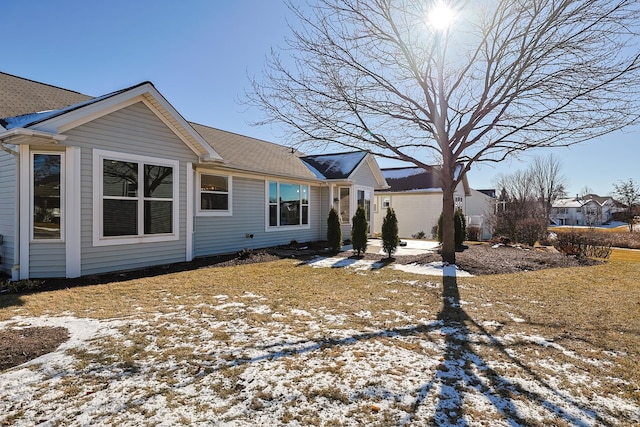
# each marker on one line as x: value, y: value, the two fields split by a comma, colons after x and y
x: 93, y: 111
x: 340, y: 181
x: 211, y: 154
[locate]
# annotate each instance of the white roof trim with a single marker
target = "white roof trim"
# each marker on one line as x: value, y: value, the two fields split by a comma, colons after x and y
x: 145, y: 93
x: 18, y: 136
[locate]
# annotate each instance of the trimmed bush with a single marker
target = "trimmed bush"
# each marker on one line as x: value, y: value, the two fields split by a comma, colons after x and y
x: 531, y: 230
x: 473, y: 233
x: 582, y: 246
x: 359, y: 231
x: 334, y: 231
x: 390, y: 238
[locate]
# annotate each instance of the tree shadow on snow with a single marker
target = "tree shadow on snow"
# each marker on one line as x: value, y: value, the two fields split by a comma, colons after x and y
x: 463, y: 370
x: 462, y: 373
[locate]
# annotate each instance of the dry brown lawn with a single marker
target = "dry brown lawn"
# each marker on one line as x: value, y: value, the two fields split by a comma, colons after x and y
x: 281, y: 342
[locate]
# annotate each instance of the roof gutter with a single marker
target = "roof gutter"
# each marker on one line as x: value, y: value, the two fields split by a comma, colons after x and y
x: 18, y: 136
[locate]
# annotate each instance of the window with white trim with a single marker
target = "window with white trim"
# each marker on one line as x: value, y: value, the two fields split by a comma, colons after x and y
x: 137, y: 198
x: 47, y: 196
x: 288, y: 204
x: 215, y: 194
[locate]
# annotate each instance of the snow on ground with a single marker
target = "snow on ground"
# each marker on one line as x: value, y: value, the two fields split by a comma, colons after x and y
x: 413, y: 247
x: 430, y: 269
x: 297, y: 367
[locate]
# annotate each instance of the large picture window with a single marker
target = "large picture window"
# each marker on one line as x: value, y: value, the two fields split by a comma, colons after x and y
x: 47, y: 196
x: 137, y: 198
x: 215, y: 194
x: 288, y: 204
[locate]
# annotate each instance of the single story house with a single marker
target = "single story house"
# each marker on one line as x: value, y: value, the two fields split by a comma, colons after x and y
x: 90, y: 185
x: 590, y: 210
x: 415, y: 195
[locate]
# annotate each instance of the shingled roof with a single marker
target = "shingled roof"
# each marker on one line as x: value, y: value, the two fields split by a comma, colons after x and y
x: 20, y: 96
x: 25, y: 102
x: 411, y: 179
x: 254, y: 155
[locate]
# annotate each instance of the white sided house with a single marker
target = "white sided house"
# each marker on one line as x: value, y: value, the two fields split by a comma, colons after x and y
x: 415, y: 195
x: 90, y: 185
x: 588, y: 210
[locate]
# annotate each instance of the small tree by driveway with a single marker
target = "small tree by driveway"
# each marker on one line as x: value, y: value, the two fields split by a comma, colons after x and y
x: 390, y: 232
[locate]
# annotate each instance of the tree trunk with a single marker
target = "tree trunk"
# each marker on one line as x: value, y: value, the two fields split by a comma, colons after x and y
x: 448, y: 210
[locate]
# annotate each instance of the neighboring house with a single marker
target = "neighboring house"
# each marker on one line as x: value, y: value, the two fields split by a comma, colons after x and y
x: 590, y: 210
x: 90, y: 185
x: 416, y: 197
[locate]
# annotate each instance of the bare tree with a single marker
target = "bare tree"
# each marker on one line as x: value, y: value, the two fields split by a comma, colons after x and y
x: 628, y: 193
x: 523, y: 217
x: 548, y: 181
x: 505, y: 76
x: 585, y: 191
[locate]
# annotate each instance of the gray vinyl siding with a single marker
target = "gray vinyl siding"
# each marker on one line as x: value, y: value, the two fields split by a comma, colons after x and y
x: 322, y: 212
x: 135, y: 130
x: 8, y: 177
x: 228, y: 234
x: 47, y: 259
x: 364, y: 177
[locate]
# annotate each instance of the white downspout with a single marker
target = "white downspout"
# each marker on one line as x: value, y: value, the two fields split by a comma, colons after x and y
x: 15, y: 269
x: 189, y: 250
x: 24, y: 212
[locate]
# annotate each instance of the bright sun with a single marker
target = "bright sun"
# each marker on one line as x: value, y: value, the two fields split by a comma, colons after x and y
x: 440, y: 16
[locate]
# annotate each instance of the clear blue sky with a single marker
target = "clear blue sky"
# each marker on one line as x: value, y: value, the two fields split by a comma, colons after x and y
x: 199, y: 54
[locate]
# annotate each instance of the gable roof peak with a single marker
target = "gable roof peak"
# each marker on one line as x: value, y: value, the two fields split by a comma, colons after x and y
x: 335, y: 165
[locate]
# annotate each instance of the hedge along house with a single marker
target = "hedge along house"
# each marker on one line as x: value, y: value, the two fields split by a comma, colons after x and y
x: 90, y: 185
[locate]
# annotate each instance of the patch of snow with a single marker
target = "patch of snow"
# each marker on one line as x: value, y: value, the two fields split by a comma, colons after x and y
x: 516, y: 319
x: 492, y: 323
x: 418, y: 372
x: 228, y: 305
x: 261, y: 309
x: 433, y: 269
x: 363, y: 314
x: 25, y: 119
x: 340, y: 164
x: 304, y: 313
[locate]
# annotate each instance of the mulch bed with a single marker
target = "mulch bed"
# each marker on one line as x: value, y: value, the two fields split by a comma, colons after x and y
x: 18, y: 346
x: 484, y: 259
